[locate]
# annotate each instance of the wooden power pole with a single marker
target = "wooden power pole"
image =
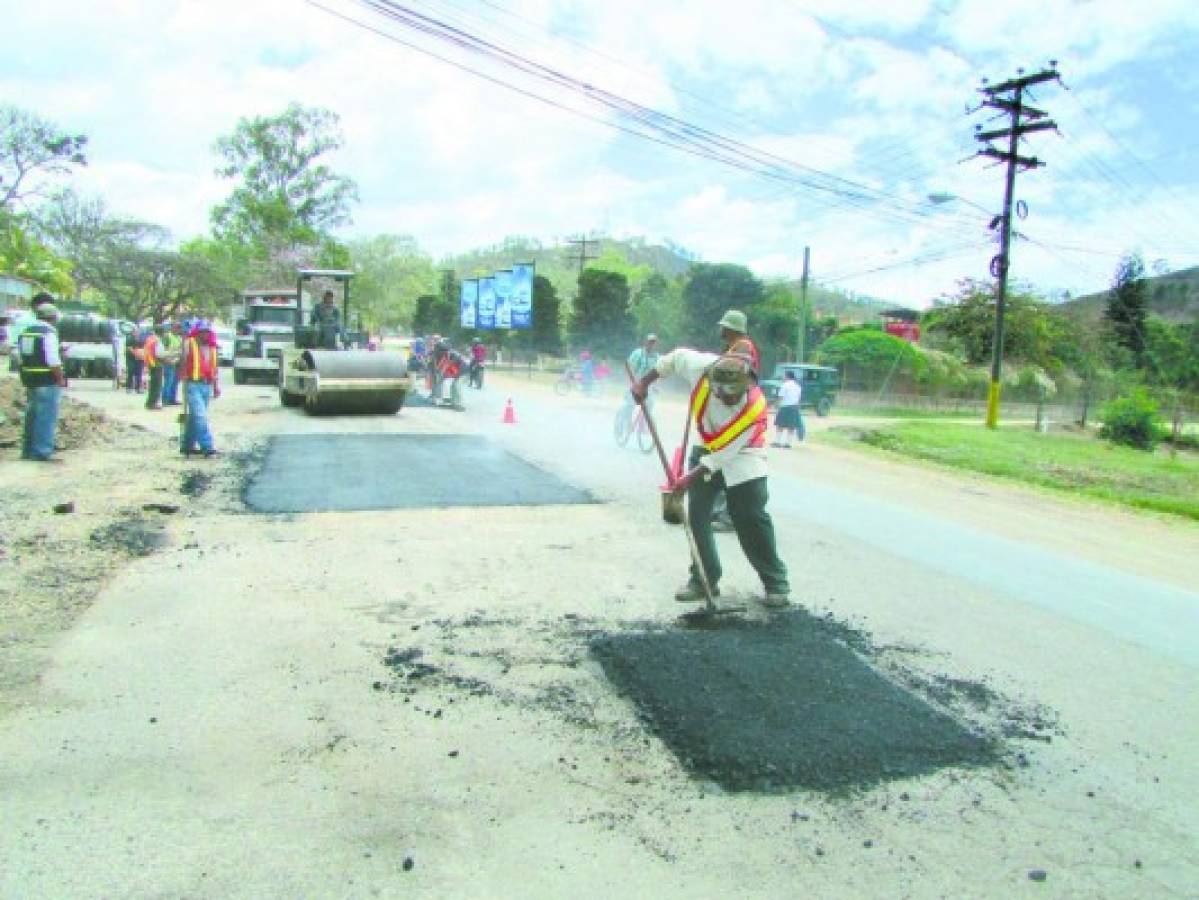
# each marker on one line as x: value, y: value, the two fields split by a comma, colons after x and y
x: 1008, y: 98
x: 800, y: 345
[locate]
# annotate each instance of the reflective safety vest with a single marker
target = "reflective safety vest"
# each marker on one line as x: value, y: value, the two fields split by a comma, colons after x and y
x: 150, y: 350
x: 199, y: 363
x: 751, y: 417
x: 448, y: 365
x: 31, y: 343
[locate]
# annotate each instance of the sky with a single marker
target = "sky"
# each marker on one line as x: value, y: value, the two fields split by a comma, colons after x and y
x: 835, y: 121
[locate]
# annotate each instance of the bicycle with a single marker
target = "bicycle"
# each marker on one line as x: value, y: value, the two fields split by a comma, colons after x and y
x: 572, y: 380
x: 629, y: 422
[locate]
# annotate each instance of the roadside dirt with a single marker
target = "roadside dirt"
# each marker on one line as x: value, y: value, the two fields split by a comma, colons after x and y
x: 66, y: 529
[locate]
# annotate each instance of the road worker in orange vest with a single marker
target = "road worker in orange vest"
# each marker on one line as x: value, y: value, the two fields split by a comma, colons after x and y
x: 728, y: 415
x: 152, y: 357
x: 199, y: 373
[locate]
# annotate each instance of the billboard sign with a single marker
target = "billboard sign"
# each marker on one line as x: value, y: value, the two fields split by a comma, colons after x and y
x: 522, y: 295
x: 486, y: 307
x: 469, y: 304
x: 503, y: 298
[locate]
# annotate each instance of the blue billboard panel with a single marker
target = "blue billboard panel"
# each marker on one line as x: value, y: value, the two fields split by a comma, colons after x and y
x: 486, y: 316
x: 469, y: 303
x: 503, y: 298
x: 522, y: 295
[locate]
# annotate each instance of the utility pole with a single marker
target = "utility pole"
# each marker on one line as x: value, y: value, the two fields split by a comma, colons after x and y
x: 1008, y: 98
x: 583, y: 254
x: 803, y: 307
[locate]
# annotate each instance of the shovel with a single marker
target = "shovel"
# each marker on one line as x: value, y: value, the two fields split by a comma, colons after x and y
x: 674, y: 511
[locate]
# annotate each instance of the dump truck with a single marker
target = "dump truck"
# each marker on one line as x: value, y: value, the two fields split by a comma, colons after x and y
x: 266, y: 325
x: 329, y: 371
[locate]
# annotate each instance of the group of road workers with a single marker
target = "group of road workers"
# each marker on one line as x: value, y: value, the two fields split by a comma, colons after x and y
x: 175, y: 356
x: 727, y: 407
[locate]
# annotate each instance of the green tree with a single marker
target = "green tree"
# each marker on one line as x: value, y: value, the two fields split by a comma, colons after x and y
x: 658, y: 308
x: 1128, y: 306
x: 392, y: 272
x: 710, y: 291
x: 23, y: 254
x: 425, y: 319
x: 776, y: 326
x: 965, y: 322
x: 285, y: 195
x: 32, y: 149
x: 870, y: 357
x: 601, y: 320
x: 545, y: 336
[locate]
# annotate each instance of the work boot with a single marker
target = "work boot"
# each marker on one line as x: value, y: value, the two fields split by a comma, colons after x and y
x: 776, y: 600
x: 693, y: 592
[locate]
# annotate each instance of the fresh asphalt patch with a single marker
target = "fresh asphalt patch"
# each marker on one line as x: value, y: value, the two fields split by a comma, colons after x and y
x: 798, y: 702
x: 784, y: 703
x: 319, y: 473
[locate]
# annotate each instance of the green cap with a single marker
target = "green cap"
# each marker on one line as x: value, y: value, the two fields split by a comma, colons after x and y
x: 734, y: 320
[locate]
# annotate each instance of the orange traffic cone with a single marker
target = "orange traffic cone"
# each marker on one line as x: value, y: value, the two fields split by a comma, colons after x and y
x: 509, y: 413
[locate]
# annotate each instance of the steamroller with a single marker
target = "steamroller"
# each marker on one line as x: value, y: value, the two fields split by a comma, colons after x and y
x: 329, y: 371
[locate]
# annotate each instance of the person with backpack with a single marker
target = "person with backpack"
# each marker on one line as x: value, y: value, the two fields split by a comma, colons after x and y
x: 43, y: 378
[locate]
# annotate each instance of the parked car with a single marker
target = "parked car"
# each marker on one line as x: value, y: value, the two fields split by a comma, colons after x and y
x: 224, y: 345
x: 819, y: 385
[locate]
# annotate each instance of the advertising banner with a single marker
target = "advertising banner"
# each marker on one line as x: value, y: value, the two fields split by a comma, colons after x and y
x: 486, y: 315
x: 469, y: 304
x: 522, y: 295
x: 503, y: 298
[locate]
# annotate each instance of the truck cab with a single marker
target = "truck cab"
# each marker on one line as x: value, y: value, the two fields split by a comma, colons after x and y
x: 818, y: 385
x: 266, y: 326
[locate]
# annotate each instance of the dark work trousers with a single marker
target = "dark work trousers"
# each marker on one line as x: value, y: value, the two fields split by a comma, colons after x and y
x: 751, y: 522
x: 154, y: 391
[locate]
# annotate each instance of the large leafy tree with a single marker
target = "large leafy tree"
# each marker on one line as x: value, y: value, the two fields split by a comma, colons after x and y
x: 965, y: 322
x: 286, y: 195
x: 23, y: 254
x: 870, y: 358
x: 32, y: 150
x: 1128, y: 306
x: 658, y: 306
x: 601, y: 320
x: 392, y: 272
x: 545, y: 336
x: 710, y: 291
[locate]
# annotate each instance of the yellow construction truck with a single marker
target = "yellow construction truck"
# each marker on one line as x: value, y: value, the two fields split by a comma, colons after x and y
x: 329, y: 370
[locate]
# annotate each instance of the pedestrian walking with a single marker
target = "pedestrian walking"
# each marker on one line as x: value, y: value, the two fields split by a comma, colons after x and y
x: 788, y: 422
x: 199, y: 374
x: 728, y: 413
x: 42, y: 375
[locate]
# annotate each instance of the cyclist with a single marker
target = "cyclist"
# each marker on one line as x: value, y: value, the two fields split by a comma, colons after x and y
x: 641, y: 360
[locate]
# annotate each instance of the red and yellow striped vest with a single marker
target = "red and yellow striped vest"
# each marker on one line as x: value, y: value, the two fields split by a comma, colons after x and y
x: 752, y: 415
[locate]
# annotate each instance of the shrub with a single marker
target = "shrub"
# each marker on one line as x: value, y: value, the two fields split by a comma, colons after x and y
x: 1133, y: 420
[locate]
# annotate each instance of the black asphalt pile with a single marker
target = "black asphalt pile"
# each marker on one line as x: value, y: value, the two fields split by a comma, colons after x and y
x: 783, y: 704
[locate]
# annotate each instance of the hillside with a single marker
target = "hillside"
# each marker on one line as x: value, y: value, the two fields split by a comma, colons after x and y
x: 1174, y: 297
x: 560, y: 264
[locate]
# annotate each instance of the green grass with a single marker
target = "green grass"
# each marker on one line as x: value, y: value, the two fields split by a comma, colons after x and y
x: 1078, y: 463
x: 903, y: 412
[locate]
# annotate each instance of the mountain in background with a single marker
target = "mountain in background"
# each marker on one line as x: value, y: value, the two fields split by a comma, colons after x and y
x: 560, y: 264
x: 1174, y: 297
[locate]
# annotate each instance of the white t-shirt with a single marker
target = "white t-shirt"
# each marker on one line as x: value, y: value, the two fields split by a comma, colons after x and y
x: 790, y: 393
